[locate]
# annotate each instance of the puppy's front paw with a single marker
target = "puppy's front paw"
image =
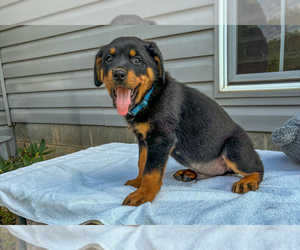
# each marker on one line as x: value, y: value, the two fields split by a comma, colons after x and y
x: 137, y: 198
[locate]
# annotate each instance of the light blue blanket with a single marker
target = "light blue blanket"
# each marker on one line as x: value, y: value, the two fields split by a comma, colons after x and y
x: 89, y: 185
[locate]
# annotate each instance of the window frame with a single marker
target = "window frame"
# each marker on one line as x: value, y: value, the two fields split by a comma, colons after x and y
x: 260, y: 84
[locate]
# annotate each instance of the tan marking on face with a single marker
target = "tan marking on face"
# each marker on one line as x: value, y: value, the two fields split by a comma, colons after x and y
x: 112, y: 51
x: 98, y: 66
x: 150, y: 74
x: 101, y: 75
x: 146, y: 83
x: 109, y: 81
x: 132, y: 53
x: 131, y: 82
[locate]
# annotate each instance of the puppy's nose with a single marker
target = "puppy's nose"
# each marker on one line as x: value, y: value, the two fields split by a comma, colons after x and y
x: 119, y: 74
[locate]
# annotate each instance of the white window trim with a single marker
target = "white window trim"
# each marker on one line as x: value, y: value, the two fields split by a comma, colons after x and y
x: 224, y: 86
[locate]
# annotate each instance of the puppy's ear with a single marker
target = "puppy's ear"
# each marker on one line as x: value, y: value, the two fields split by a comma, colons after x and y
x: 98, y: 71
x: 157, y: 56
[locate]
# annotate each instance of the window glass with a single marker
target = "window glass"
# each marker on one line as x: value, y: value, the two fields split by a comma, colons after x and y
x: 292, y: 35
x: 259, y: 12
x: 292, y: 48
x: 292, y: 12
x: 267, y: 46
x: 258, y: 48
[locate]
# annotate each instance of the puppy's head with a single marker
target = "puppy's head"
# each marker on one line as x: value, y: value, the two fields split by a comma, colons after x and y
x: 129, y: 67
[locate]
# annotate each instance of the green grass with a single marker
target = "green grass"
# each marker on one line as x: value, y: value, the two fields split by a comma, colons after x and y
x: 7, y: 217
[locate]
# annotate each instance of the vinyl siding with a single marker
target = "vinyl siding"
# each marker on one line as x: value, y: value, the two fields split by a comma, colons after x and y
x: 48, y: 69
x: 101, y: 12
x: 49, y: 79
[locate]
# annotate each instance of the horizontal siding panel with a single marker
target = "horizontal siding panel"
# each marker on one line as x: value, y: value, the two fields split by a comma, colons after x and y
x: 7, y: 2
x: 52, y: 82
x: 22, y: 34
x: 84, y: 116
x: 104, y: 12
x: 61, y: 63
x: 197, y: 16
x: 199, y: 42
x: 76, y: 98
x: 112, y: 118
x: 204, y: 87
x: 33, y: 9
x: 6, y: 27
x: 186, y: 45
x: 265, y: 119
x: 191, y: 70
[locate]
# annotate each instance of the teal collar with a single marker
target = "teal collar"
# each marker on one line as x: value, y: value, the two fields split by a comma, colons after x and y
x: 143, y: 104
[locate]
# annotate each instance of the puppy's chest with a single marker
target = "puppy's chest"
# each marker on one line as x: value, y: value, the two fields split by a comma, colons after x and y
x: 140, y: 129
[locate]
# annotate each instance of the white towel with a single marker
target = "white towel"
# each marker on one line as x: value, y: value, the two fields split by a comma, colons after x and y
x: 89, y: 185
x: 159, y: 237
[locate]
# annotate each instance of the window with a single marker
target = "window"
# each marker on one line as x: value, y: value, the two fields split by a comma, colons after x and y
x: 259, y: 46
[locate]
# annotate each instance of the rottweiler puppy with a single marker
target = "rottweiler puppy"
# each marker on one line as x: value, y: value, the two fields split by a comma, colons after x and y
x: 170, y: 118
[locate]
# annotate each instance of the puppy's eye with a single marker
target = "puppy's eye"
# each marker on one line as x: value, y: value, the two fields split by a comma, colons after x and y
x: 137, y: 60
x: 108, y: 59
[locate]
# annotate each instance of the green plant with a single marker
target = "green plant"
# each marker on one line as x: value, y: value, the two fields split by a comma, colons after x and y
x: 24, y: 157
x: 7, y: 217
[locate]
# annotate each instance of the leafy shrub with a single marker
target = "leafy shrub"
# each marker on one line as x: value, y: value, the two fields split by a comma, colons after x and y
x: 24, y: 157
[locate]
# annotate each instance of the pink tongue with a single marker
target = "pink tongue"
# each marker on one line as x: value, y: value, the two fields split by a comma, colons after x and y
x: 123, y: 100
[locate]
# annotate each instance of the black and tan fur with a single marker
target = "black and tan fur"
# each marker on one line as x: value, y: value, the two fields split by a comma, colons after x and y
x: 179, y: 121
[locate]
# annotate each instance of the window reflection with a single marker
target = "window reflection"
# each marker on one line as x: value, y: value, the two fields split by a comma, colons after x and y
x: 264, y: 47
x: 292, y: 48
x: 253, y: 51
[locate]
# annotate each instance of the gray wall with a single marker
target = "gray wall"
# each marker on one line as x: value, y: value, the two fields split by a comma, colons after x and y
x: 49, y: 76
x: 95, y: 12
x: 48, y: 72
x: 48, y: 68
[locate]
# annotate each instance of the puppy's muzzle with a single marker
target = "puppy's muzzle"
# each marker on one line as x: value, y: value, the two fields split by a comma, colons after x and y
x: 119, y: 74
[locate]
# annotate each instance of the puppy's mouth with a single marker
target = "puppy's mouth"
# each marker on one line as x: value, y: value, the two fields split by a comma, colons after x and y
x: 124, y: 99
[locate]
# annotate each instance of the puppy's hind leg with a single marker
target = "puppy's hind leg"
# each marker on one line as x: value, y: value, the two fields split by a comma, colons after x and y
x: 241, y: 158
